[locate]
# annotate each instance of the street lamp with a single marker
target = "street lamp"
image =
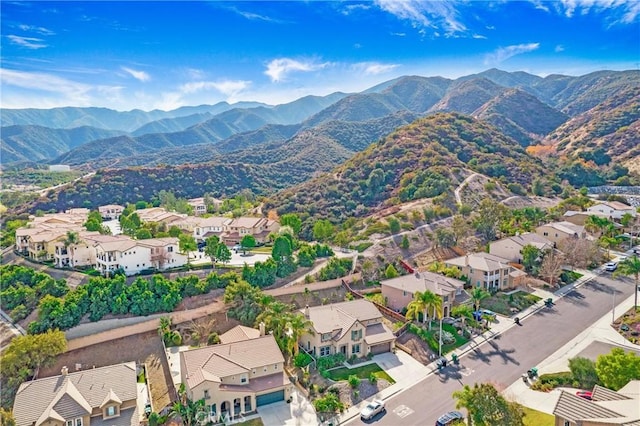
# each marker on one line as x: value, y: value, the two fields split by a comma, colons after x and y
x: 440, y: 339
x: 613, y: 306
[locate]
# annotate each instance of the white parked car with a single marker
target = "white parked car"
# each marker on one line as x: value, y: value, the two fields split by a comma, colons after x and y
x: 372, y: 409
x: 611, y: 266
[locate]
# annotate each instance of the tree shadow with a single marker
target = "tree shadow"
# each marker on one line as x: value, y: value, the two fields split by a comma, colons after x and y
x: 600, y: 287
x: 576, y: 298
x: 450, y: 372
x: 494, y: 352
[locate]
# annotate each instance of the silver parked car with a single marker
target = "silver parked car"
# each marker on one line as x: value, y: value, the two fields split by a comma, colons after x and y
x: 372, y: 409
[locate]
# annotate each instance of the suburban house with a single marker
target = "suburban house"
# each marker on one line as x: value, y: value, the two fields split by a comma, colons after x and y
x: 240, y: 333
x: 487, y: 270
x: 511, y: 248
x: 259, y: 227
x: 558, y: 231
x: 613, y: 209
x: 102, y: 396
x: 606, y: 407
x: 199, y: 205
x: 237, y: 377
x: 134, y: 256
x: 110, y: 211
x: 399, y: 291
x: 579, y: 218
x: 353, y: 328
x: 207, y: 227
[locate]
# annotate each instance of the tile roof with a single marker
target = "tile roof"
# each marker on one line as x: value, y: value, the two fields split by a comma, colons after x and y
x: 529, y: 238
x: 603, y: 394
x: 339, y: 317
x: 573, y: 407
x: 480, y: 261
x: 127, y: 417
x: 74, y: 394
x: 378, y: 333
x: 566, y: 227
x: 238, y: 334
x: 212, y: 363
x: 247, y: 222
x: 422, y: 281
x: 607, y: 407
x: 259, y: 384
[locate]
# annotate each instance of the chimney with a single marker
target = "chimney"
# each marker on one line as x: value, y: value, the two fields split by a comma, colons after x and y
x: 64, y: 370
x: 306, y: 311
x: 261, y: 327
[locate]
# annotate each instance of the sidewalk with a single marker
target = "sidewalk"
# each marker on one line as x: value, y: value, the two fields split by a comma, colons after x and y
x: 600, y: 331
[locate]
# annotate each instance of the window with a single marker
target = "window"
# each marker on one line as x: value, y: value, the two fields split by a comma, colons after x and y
x: 355, y: 349
x: 79, y: 421
x: 275, y: 367
x: 243, y: 379
x: 206, y: 394
x: 213, y: 409
x: 69, y: 422
x: 326, y: 336
x: 356, y: 334
x: 325, y: 350
x: 567, y: 423
x: 404, y: 293
x: 111, y: 410
x: 170, y: 250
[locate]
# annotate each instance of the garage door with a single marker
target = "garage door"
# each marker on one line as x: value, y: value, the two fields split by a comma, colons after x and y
x: 269, y: 398
x: 381, y: 348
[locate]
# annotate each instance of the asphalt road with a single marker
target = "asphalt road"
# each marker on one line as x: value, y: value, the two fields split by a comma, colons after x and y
x: 504, y: 358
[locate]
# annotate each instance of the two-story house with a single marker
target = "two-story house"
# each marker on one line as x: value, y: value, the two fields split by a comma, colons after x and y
x: 207, y: 227
x: 511, y: 248
x: 259, y: 227
x: 96, y: 397
x: 606, y: 407
x: 486, y: 270
x: 111, y: 211
x: 351, y: 328
x: 613, y: 209
x: 558, y: 231
x: 237, y: 377
x: 398, y: 292
x: 133, y: 256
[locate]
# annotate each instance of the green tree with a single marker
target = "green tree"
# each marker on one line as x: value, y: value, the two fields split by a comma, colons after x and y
x: 391, y: 272
x: 617, y: 368
x: 306, y: 255
x: 584, y: 371
x: 478, y: 294
x: 244, y: 301
x: 630, y: 267
x: 211, y: 248
x: 486, y: 407
x: 223, y: 254
x: 296, y: 325
x: 537, y: 187
x: 328, y: 404
x: 404, y: 244
x: 394, y: 225
x: 423, y: 302
x: 445, y: 237
x: 187, y: 243
x: 247, y: 243
x: 187, y: 409
x: 281, y: 249
x: 292, y: 220
x: 174, y: 231
x: 323, y: 230
x: 6, y: 418
x: 530, y: 255
x: 488, y: 215
x: 341, y: 239
x: 460, y: 228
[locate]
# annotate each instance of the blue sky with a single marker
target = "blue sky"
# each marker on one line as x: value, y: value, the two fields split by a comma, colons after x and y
x: 148, y: 55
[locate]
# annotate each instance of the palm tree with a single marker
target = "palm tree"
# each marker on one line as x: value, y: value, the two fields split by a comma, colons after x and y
x: 462, y: 311
x: 423, y: 302
x: 478, y: 294
x: 296, y: 325
x: 631, y: 267
x: 273, y: 316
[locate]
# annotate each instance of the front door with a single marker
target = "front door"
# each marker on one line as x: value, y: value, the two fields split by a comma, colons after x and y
x: 343, y: 349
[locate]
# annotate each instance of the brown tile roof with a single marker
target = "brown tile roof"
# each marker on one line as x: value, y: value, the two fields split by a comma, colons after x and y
x: 574, y: 408
x: 378, y: 333
x: 603, y: 394
x: 238, y: 334
x: 480, y: 261
x: 422, y: 281
x: 530, y: 238
x: 339, y: 317
x: 74, y: 394
x: 247, y: 222
x: 212, y: 363
x: 260, y: 384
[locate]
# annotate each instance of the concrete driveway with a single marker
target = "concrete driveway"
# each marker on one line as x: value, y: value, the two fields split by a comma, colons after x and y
x: 299, y: 412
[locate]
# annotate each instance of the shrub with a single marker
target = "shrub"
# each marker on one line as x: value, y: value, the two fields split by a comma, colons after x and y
x: 213, y: 339
x: 302, y: 360
x: 373, y: 378
x: 354, y: 381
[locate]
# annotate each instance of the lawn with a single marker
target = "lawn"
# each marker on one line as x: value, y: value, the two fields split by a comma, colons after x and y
x: 362, y: 372
x: 569, y: 277
x: 263, y: 249
x: 431, y: 337
x: 537, y: 418
x: 503, y: 303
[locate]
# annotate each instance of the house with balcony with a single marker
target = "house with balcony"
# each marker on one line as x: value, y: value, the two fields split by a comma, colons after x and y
x: 259, y: 227
x: 352, y: 328
x: 237, y: 377
x: 111, y: 211
x: 606, y: 407
x: 613, y: 210
x: 558, y: 231
x: 491, y: 272
x: 207, y: 227
x: 96, y: 397
x: 510, y: 248
x: 398, y: 292
x: 134, y: 256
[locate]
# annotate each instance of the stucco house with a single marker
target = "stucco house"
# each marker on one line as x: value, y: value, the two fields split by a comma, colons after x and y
x: 207, y: 227
x: 353, y: 328
x: 558, y: 231
x: 580, y: 218
x: 259, y: 227
x: 235, y: 378
x: 105, y: 396
x: 606, y: 408
x: 399, y: 291
x: 134, y: 256
x: 511, y: 248
x: 487, y: 270
x: 111, y: 211
x: 613, y: 209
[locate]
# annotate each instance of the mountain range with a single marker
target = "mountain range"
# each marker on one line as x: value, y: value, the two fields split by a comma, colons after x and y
x: 267, y: 148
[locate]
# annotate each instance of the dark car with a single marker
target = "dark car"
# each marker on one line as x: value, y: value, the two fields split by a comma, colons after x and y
x: 450, y: 418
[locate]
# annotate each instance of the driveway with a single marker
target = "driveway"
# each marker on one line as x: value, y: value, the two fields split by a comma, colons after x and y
x: 299, y: 412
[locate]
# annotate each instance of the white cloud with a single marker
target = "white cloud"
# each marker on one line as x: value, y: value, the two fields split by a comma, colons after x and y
x: 504, y: 53
x: 278, y: 69
x: 226, y: 87
x: 374, y: 68
x: 28, y: 42
x: 559, y: 48
x: 39, y: 30
x: 438, y: 15
x: 479, y: 36
x: 138, y: 75
x: 350, y: 8
x: 251, y: 15
x: 615, y: 11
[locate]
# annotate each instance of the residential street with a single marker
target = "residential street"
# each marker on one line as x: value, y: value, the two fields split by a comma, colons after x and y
x: 503, y: 359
